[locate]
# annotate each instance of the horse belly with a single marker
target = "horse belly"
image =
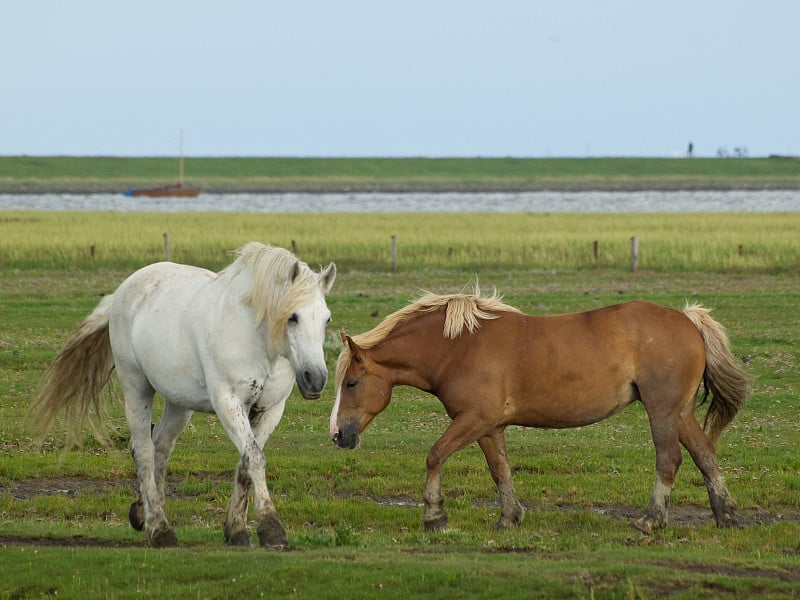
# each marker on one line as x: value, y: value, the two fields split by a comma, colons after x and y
x: 566, y: 397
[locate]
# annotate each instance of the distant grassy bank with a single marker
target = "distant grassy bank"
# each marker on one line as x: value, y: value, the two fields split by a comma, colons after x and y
x: 29, y: 174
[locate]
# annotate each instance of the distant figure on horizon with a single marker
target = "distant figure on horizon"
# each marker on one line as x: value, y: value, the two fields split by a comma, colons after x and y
x: 690, y: 150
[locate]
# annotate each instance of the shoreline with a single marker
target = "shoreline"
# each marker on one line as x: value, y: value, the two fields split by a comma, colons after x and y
x: 323, y: 187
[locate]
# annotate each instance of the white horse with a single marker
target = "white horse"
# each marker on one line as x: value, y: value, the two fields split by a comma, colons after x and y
x: 232, y: 343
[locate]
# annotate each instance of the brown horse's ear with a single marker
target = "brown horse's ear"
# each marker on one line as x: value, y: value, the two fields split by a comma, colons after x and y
x: 355, y: 350
x: 344, y: 337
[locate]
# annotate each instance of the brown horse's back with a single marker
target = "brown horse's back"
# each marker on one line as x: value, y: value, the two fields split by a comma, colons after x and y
x: 575, y: 369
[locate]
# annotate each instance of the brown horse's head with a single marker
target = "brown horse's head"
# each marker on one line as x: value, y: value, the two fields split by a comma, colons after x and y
x: 362, y: 392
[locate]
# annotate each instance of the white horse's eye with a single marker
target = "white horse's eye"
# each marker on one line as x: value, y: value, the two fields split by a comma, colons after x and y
x: 293, y: 318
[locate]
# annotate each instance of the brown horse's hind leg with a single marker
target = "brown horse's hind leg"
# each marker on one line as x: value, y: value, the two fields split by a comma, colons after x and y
x: 704, y: 456
x: 668, y: 459
x: 494, y: 449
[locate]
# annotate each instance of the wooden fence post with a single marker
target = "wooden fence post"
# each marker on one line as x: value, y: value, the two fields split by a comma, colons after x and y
x: 167, y: 255
x: 394, y: 253
x: 634, y: 254
x: 595, y: 248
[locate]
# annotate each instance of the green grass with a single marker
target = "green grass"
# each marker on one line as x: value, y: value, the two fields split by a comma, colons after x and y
x: 730, y: 242
x: 29, y: 173
x: 354, y: 517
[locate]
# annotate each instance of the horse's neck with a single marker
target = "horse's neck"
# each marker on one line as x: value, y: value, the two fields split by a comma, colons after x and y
x: 234, y: 311
x: 411, y: 353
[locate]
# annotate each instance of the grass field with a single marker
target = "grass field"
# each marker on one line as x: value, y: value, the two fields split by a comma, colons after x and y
x: 96, y: 174
x: 471, y: 242
x: 354, y: 518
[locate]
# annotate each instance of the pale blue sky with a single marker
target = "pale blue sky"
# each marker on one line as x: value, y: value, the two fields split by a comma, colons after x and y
x: 399, y: 78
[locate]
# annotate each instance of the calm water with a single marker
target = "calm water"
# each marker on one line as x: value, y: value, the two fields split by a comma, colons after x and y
x: 642, y: 201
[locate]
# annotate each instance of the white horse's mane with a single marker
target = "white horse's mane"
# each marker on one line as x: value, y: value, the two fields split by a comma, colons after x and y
x: 279, y: 284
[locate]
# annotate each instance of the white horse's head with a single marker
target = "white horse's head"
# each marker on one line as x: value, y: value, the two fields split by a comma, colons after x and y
x: 289, y: 301
x: 305, y: 332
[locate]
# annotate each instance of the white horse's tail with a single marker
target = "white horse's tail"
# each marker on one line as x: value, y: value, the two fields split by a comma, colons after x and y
x: 75, y: 380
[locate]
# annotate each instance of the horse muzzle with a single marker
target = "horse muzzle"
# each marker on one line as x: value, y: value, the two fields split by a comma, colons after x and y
x: 346, y: 436
x: 310, y: 382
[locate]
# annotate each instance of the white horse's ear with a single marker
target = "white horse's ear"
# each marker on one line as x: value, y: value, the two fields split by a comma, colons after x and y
x: 295, y: 271
x: 326, y: 278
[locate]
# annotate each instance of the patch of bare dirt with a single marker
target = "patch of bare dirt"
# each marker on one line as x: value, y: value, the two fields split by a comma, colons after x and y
x: 680, y: 514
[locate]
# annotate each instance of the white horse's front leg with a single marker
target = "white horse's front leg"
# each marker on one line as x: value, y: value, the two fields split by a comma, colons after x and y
x: 262, y: 422
x: 251, y: 474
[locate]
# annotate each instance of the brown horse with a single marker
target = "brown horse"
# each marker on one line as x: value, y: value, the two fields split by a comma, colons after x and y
x: 557, y: 371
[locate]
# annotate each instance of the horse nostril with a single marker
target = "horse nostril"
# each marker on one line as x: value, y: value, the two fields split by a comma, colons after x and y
x: 336, y: 437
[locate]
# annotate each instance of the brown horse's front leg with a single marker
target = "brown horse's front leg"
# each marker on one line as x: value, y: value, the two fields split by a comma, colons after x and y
x: 494, y: 449
x: 434, y: 517
x: 460, y: 434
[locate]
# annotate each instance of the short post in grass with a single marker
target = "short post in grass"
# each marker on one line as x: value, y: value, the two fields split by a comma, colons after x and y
x: 595, y: 249
x: 394, y: 253
x: 634, y: 254
x: 167, y: 255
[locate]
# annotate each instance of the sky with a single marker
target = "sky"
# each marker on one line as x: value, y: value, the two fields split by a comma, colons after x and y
x: 430, y: 78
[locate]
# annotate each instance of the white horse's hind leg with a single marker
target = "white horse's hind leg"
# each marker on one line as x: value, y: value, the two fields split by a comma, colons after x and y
x: 165, y: 434
x: 139, y: 411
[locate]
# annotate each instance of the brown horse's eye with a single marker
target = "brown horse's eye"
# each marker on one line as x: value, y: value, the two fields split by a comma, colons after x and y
x: 351, y: 383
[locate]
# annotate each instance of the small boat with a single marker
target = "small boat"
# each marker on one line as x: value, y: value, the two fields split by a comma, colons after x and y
x: 175, y: 189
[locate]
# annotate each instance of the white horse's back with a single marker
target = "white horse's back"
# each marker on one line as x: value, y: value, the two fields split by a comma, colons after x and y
x: 155, y: 316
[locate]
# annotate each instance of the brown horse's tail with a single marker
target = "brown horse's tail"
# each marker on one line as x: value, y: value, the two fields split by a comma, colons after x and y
x: 724, y: 376
x: 75, y: 380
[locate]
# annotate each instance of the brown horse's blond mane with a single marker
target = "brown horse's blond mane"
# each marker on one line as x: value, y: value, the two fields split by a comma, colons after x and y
x: 463, y: 311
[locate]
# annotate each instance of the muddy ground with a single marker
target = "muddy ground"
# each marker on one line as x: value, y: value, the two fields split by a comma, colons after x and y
x: 73, y: 486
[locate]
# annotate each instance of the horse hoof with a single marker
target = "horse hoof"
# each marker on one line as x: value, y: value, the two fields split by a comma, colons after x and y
x: 271, y: 534
x: 642, y: 525
x: 136, y: 515
x: 647, y: 526
x: 439, y: 524
x: 728, y: 521
x: 240, y: 538
x: 506, y: 524
x: 164, y: 538
x: 514, y: 519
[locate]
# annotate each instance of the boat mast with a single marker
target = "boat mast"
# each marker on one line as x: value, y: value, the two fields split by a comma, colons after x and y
x: 180, y: 161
